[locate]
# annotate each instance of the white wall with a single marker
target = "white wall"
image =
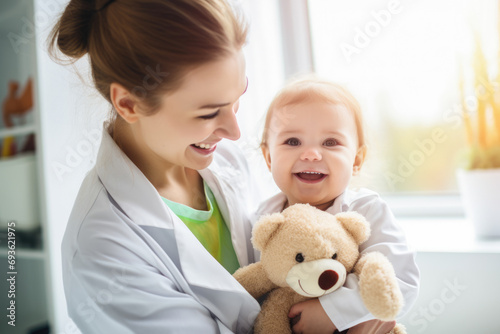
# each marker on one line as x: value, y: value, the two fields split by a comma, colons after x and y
x: 70, y: 117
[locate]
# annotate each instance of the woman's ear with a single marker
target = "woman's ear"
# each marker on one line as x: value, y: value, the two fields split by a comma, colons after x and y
x: 267, y: 155
x: 359, y: 160
x: 125, y: 103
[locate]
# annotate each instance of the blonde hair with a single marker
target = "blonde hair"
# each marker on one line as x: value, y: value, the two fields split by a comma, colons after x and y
x: 308, y: 88
x: 146, y: 45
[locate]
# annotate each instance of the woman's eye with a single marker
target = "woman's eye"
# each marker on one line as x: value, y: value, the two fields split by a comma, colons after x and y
x: 330, y: 142
x: 292, y: 142
x: 210, y: 116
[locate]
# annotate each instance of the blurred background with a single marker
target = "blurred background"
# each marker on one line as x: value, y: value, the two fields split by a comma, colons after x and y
x: 409, y: 63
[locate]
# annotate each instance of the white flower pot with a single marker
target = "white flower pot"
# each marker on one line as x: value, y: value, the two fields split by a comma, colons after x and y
x: 480, y: 192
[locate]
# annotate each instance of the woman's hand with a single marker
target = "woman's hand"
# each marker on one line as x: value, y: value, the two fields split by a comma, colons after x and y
x: 313, y: 318
x: 373, y: 327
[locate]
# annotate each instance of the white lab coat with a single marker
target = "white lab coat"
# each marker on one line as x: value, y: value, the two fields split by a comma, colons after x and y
x: 130, y: 265
x: 345, y: 306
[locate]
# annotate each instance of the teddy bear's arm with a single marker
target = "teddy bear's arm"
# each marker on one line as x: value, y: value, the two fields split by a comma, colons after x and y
x: 254, y: 279
x: 378, y: 286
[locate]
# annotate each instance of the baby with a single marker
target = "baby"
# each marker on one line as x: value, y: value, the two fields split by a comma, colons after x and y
x: 313, y: 143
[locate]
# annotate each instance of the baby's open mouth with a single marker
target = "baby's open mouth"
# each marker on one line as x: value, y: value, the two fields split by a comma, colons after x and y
x: 310, y: 176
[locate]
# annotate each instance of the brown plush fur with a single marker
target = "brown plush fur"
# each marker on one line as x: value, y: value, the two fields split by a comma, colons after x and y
x: 304, y: 229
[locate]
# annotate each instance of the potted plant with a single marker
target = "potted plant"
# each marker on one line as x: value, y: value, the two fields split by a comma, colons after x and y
x: 479, y: 180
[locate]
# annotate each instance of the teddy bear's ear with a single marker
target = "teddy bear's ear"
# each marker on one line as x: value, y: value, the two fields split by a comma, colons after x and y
x: 355, y: 224
x: 265, y: 228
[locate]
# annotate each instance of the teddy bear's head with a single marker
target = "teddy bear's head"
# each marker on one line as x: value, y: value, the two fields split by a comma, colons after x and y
x: 308, y: 249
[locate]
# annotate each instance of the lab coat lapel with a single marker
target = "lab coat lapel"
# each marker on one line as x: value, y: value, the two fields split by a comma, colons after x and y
x: 220, y: 179
x: 128, y: 186
x: 212, y: 284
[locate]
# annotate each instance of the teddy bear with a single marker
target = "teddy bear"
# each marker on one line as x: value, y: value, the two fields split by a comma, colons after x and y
x: 307, y: 253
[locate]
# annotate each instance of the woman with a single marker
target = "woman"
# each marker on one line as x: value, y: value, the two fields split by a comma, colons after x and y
x: 161, y: 221
x: 130, y: 264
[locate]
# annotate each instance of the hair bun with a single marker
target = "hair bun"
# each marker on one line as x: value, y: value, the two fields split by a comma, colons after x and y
x: 72, y: 31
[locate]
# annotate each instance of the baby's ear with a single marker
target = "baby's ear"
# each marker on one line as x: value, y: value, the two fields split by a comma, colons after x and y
x: 265, y: 228
x: 355, y: 224
x: 267, y: 155
x: 359, y: 160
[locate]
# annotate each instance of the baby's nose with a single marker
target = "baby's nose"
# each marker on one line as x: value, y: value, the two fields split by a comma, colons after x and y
x: 311, y: 154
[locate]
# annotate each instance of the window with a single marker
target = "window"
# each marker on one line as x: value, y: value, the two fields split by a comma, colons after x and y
x: 402, y: 61
x: 265, y: 71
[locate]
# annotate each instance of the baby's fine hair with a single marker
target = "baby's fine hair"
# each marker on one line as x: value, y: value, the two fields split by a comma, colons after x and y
x: 146, y: 46
x: 307, y: 88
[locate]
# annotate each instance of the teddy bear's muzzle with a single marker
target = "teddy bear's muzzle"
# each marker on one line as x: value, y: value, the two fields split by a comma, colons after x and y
x: 316, y: 278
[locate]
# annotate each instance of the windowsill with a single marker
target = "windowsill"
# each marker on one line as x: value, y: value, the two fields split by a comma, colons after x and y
x: 425, y: 205
x: 442, y: 235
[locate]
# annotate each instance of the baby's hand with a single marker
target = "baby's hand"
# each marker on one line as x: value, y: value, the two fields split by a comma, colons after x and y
x: 313, y: 318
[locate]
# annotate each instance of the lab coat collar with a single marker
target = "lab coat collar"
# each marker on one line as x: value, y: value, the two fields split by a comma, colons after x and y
x: 128, y: 186
x: 345, y: 201
x: 339, y: 204
x: 342, y: 203
x: 276, y: 203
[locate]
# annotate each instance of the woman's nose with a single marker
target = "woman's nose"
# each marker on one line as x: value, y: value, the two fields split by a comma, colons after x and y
x: 311, y: 154
x: 229, y: 126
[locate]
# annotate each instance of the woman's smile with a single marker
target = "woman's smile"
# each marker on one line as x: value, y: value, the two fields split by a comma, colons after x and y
x: 204, y: 149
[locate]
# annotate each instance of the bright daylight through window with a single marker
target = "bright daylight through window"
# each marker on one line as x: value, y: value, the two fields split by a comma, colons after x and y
x: 403, y: 61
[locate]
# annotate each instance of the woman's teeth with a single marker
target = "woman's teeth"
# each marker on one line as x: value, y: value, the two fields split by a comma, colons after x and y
x: 204, y: 146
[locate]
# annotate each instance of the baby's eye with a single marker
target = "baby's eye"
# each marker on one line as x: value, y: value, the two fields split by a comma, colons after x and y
x: 330, y: 142
x: 292, y: 142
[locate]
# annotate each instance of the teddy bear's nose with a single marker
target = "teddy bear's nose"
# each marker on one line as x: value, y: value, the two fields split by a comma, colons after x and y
x: 328, y: 279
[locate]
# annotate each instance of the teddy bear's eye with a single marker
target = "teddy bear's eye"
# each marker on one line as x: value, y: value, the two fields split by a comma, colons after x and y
x: 299, y: 257
x: 334, y: 256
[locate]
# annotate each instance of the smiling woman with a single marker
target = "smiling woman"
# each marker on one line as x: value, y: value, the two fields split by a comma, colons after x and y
x: 159, y: 213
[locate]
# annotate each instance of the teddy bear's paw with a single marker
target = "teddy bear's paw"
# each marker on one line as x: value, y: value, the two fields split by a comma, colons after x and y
x: 398, y: 329
x: 379, y: 287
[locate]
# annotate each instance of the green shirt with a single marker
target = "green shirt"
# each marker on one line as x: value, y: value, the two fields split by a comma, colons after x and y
x: 209, y: 228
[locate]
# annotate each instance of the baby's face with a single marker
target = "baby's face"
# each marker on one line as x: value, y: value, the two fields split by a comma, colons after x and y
x: 312, y: 151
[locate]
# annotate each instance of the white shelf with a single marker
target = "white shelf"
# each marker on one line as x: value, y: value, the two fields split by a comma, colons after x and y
x: 24, y: 253
x: 17, y: 131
